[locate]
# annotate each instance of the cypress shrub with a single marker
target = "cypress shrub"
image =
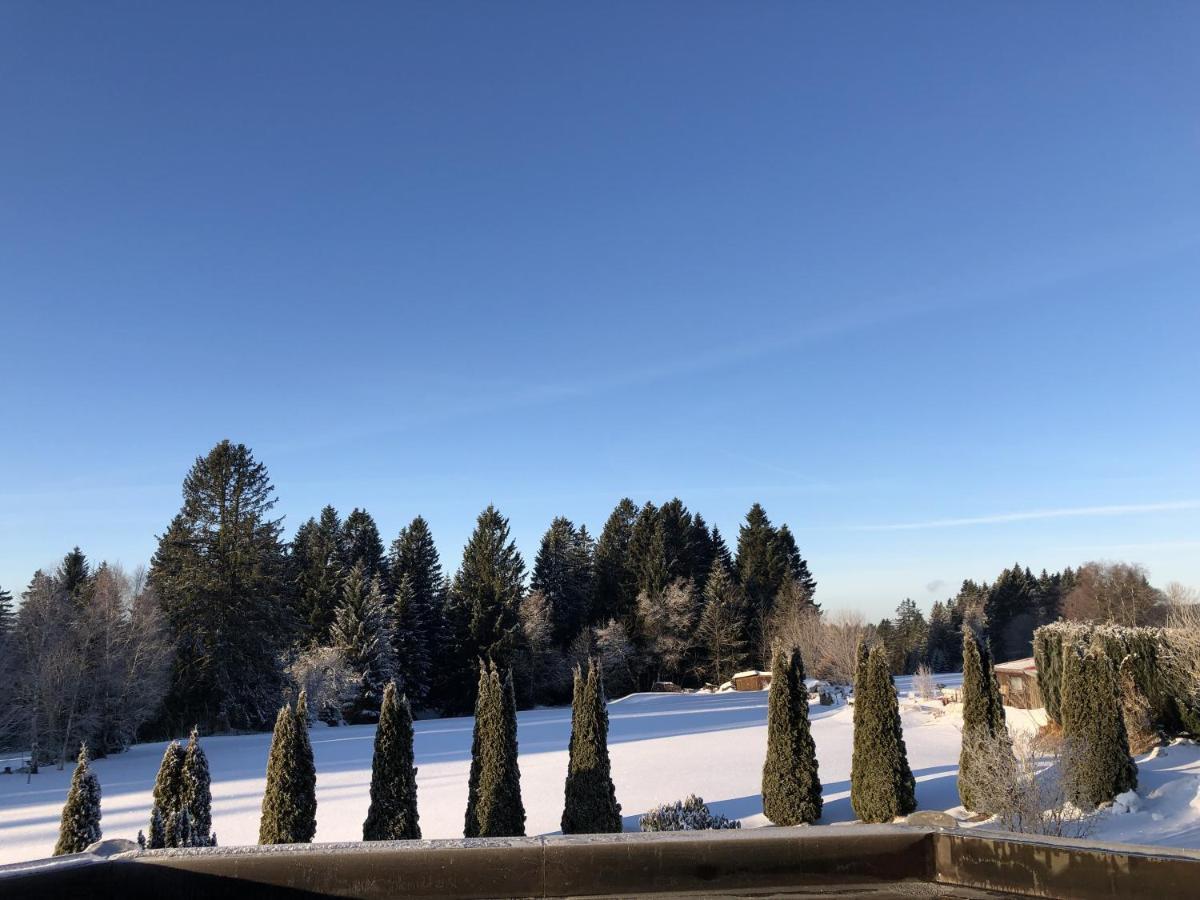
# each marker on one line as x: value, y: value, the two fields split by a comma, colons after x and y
x: 289, y: 803
x: 591, y: 805
x: 307, y: 797
x: 393, y: 812
x: 791, y: 786
x: 881, y: 783
x: 80, y: 826
x: 1098, y: 764
x: 486, y: 709
x: 167, y: 798
x: 196, y: 795
x: 494, y: 807
x: 983, y: 724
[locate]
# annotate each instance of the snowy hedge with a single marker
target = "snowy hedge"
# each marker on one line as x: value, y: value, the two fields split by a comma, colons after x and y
x: 1157, y: 668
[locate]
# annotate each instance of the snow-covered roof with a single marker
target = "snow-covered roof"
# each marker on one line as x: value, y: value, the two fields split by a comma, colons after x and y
x: 748, y: 673
x: 1017, y: 665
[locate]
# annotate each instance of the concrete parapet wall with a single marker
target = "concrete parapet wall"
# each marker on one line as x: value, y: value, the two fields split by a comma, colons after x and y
x: 808, y: 860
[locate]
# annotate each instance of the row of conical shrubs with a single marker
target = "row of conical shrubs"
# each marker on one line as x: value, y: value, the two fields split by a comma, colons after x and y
x: 882, y: 786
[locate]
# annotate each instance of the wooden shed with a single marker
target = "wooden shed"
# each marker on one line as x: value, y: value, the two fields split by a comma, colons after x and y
x: 753, y: 680
x: 1019, y: 683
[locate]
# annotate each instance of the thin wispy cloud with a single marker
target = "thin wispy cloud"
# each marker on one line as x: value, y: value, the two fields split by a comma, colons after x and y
x: 1073, y: 512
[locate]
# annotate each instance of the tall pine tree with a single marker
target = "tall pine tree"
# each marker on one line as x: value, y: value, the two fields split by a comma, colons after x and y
x: 484, y: 604
x: 791, y: 785
x: 614, y: 585
x: 363, y: 630
x: 722, y: 627
x: 392, y: 815
x: 316, y: 575
x: 563, y: 572
x: 219, y: 575
x: 421, y: 633
x: 761, y: 569
x: 362, y: 546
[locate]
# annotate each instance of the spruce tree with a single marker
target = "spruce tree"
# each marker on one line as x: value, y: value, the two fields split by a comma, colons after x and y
x: 197, y: 793
x: 985, y: 741
x: 392, y: 815
x: 219, y: 573
x: 494, y: 807
x: 420, y: 593
x: 80, y: 826
x: 881, y: 783
x: 289, y: 802
x: 6, y: 616
x: 791, y: 785
x: 363, y: 629
x: 562, y: 571
x: 762, y: 566
x: 797, y: 566
x: 167, y: 798
x: 647, y: 552
x: 591, y: 805
x: 316, y: 575
x: 1098, y: 763
x: 721, y: 630
x: 362, y: 546
x: 483, y: 607
x: 614, y: 584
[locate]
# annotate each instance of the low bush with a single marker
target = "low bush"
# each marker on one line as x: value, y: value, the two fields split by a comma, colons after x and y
x: 690, y: 814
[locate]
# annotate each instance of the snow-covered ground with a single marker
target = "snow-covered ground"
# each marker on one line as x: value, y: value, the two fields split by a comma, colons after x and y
x: 663, y: 747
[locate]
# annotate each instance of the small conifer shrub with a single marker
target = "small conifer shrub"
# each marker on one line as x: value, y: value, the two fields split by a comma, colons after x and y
x: 392, y: 815
x: 791, y: 786
x: 80, y: 826
x: 591, y: 805
x: 882, y: 786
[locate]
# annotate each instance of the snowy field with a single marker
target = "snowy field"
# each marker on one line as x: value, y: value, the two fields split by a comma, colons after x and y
x: 663, y: 747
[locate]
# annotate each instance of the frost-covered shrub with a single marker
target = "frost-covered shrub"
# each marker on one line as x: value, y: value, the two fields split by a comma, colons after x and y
x: 690, y: 814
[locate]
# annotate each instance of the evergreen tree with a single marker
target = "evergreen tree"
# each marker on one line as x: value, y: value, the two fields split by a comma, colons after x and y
x: 591, y: 805
x: 494, y: 807
x: 702, y: 549
x: 414, y: 661
x: 882, y: 786
x: 6, y: 615
x: 614, y: 583
x: 984, y: 728
x: 1097, y: 746
x: 421, y: 634
x: 361, y: 545
x: 316, y: 575
x: 484, y: 603
x: 196, y: 795
x: 796, y: 564
x: 676, y: 526
x: 791, y: 785
x: 722, y: 627
x: 363, y: 630
x: 289, y: 802
x: 167, y: 798
x: 1012, y: 612
x: 647, y: 552
x: 74, y: 576
x: 761, y: 568
x: 219, y: 575
x: 910, y: 635
x: 562, y: 571
x: 393, y: 812
x: 80, y: 826
x: 940, y: 654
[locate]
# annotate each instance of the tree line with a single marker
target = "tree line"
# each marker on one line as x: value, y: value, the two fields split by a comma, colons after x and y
x: 230, y: 616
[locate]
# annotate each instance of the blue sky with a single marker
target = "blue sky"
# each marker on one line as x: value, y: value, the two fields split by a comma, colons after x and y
x: 934, y: 266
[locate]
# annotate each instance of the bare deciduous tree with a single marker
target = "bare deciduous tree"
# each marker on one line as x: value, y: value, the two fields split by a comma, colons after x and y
x: 1114, y: 592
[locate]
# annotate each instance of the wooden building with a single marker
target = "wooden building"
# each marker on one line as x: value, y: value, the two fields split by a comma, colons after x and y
x: 753, y: 680
x: 1019, y: 683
